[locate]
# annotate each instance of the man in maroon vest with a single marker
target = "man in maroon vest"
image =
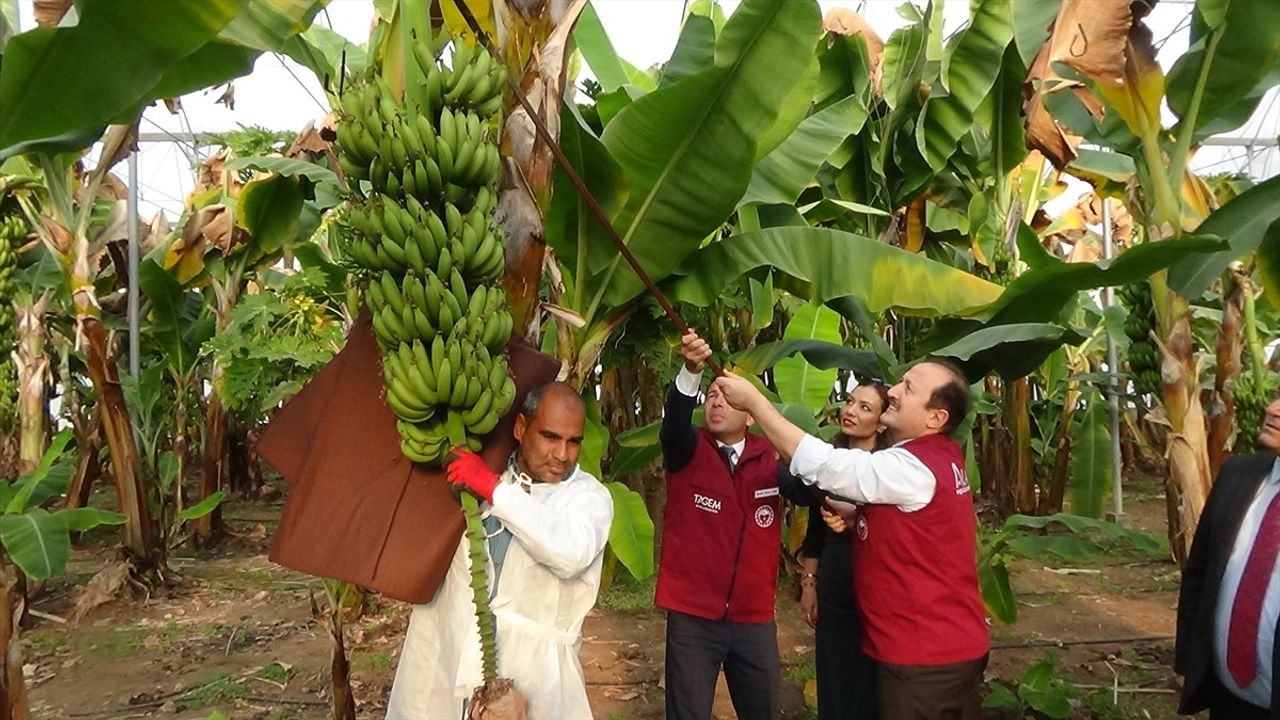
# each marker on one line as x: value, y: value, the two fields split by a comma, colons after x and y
x: 916, y: 540
x: 720, y: 544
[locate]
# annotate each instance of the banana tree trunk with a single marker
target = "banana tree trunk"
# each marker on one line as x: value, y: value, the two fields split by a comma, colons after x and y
x: 214, y: 459
x: 140, y: 536
x: 13, y: 688
x: 1187, y: 445
x: 534, y: 44
x: 33, y: 370
x: 88, y: 467
x: 179, y: 448
x: 1018, y: 418
x: 1228, y: 347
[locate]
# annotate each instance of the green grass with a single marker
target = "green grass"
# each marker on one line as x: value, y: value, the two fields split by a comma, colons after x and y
x: 628, y: 595
x: 220, y: 689
x: 371, y: 661
x: 275, y: 672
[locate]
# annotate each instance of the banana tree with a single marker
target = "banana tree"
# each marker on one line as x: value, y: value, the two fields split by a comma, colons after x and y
x: 37, y: 543
x: 1111, y: 95
x: 186, y: 49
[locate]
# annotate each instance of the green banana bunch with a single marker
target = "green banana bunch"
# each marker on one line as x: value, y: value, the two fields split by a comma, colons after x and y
x: 13, y: 232
x: 420, y: 228
x: 1252, y: 395
x: 1143, y: 355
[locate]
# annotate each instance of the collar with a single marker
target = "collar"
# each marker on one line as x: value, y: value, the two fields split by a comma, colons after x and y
x: 517, y: 476
x: 737, y: 447
x: 1274, y: 476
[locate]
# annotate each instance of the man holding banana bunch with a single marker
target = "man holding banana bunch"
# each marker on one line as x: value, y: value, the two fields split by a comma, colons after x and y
x: 547, y: 523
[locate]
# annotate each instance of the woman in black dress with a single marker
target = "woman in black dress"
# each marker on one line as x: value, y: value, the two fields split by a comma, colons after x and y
x: 846, y: 677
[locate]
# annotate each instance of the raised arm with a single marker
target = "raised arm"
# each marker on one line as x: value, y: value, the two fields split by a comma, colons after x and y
x: 678, y: 437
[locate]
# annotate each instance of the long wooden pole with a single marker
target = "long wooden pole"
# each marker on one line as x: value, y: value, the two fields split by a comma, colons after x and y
x: 592, y: 204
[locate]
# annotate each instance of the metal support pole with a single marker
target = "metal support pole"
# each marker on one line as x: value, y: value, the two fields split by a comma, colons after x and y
x: 1113, y: 366
x: 134, y: 261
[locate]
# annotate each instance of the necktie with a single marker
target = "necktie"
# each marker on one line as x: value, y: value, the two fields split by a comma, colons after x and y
x: 728, y: 454
x: 1246, y: 612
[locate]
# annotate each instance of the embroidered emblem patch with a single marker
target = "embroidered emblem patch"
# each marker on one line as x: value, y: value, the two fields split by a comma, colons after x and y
x: 764, y: 516
x: 862, y: 526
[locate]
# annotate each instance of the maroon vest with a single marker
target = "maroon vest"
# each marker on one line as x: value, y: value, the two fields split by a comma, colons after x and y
x: 721, y: 535
x: 917, y: 575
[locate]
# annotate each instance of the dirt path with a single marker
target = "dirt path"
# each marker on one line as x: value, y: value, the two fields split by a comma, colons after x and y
x: 237, y: 636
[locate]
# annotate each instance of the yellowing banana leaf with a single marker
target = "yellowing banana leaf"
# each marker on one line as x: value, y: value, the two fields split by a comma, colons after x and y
x: 457, y: 25
x: 270, y: 210
x: 835, y: 264
x: 1242, y: 221
x: 688, y: 148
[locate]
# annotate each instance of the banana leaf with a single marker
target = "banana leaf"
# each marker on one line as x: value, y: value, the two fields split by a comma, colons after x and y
x: 798, y: 382
x: 1268, y: 259
x: 1039, y: 295
x: 1091, y: 461
x: 688, y: 148
x: 835, y: 264
x: 74, y: 80
x: 1012, y: 351
x: 631, y: 534
x: 38, y: 541
x: 60, y: 87
x: 782, y: 174
x: 818, y: 353
x: 969, y: 72
x: 1244, y: 63
x: 695, y: 50
x: 1242, y: 221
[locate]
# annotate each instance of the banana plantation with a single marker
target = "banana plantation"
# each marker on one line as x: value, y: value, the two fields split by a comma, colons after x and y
x: 217, y: 420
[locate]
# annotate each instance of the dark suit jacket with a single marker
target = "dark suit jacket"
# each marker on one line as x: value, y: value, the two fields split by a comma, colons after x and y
x: 1232, y: 493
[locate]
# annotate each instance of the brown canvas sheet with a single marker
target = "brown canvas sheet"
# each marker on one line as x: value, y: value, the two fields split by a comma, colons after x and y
x: 358, y: 510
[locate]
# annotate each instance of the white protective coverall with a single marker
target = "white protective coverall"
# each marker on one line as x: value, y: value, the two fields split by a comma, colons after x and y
x: 548, y: 583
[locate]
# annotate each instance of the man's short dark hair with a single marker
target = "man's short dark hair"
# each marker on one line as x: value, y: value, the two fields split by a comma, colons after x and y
x: 534, y: 399
x: 952, y: 396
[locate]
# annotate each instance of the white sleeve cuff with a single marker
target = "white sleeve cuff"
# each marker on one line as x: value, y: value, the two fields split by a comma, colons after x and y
x: 688, y: 383
x: 810, y: 455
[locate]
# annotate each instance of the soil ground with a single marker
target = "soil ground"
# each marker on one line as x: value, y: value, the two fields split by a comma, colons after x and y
x: 236, y: 636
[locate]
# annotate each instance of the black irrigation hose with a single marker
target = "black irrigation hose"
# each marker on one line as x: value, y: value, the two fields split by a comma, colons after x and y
x: 1069, y: 643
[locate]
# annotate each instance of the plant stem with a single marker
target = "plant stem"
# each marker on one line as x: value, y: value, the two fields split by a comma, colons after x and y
x: 1251, y: 330
x: 480, y: 586
x: 1177, y: 163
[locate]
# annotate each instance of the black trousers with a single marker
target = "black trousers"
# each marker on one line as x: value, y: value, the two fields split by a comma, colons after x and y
x: 931, y: 692
x: 696, y: 651
x: 846, y: 677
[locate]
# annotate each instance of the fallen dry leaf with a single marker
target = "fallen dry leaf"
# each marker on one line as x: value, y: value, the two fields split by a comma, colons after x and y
x: 101, y: 589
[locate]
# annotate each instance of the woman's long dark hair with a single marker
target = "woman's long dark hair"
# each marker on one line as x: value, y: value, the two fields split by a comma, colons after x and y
x: 882, y: 439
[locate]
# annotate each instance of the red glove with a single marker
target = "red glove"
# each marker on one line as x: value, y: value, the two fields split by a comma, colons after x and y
x: 470, y: 471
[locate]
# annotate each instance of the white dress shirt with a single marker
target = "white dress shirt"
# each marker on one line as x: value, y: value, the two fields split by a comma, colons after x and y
x: 1257, y: 692
x: 893, y: 476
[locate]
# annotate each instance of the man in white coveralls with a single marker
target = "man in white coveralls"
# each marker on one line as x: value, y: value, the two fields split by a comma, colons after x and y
x: 547, y: 522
